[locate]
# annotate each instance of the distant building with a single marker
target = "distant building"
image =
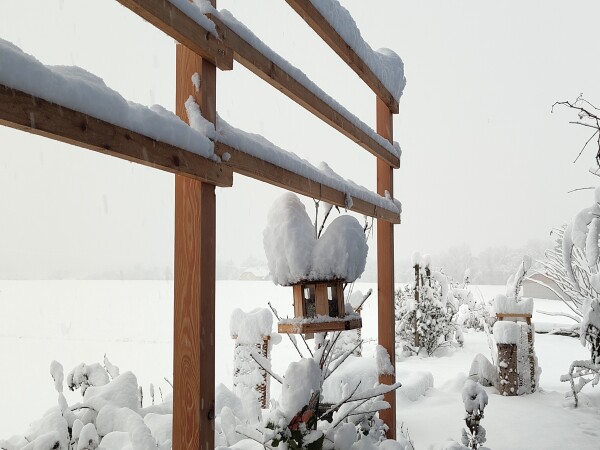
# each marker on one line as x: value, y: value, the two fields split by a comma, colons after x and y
x: 536, y: 290
x: 255, y: 274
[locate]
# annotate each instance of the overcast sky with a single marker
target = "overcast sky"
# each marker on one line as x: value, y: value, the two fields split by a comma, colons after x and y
x: 484, y: 161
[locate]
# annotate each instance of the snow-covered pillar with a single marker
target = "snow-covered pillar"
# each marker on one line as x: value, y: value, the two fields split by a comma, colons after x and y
x: 244, y: 368
x: 385, y: 267
x: 252, y: 334
x: 507, y: 335
x: 194, y: 290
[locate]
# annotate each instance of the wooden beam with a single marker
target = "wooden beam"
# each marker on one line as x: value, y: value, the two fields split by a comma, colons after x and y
x: 385, y: 270
x: 175, y: 23
x: 321, y: 26
x: 194, y: 291
x: 261, y: 65
x: 25, y: 112
x: 253, y: 167
x: 319, y: 327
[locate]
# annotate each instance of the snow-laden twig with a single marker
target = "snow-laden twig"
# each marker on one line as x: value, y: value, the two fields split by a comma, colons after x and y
x: 295, y: 344
x: 260, y: 360
x: 340, y: 359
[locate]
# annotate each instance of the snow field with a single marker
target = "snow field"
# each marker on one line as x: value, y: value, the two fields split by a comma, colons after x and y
x: 131, y: 321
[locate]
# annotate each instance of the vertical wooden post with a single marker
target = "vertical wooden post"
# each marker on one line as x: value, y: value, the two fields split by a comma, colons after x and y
x: 385, y: 268
x: 417, y: 342
x: 194, y: 291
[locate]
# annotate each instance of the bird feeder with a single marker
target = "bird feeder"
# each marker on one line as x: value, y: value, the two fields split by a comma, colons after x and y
x: 316, y: 266
x: 319, y: 307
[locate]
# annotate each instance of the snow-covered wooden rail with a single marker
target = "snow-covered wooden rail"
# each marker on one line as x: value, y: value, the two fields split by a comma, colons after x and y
x: 156, y: 138
x: 317, y: 21
x: 270, y: 67
x: 299, y: 88
x: 32, y: 114
x: 184, y: 29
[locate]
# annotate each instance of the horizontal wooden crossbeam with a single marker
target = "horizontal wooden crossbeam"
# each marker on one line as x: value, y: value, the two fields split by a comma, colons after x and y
x: 253, y: 167
x: 265, y: 68
x: 175, y: 23
x: 311, y: 15
x: 25, y: 112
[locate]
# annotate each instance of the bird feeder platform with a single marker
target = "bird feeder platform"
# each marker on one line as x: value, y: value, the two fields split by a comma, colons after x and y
x: 318, y: 308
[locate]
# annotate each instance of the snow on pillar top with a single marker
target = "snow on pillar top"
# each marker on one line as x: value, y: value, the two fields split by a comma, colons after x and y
x: 250, y: 327
x: 507, y: 332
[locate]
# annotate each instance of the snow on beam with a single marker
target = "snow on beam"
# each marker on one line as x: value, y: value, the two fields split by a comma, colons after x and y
x: 255, y: 167
x: 180, y: 20
x: 307, y: 10
x: 26, y: 112
x: 278, y: 72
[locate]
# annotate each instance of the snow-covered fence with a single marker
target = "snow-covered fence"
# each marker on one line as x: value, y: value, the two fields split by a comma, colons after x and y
x: 73, y: 106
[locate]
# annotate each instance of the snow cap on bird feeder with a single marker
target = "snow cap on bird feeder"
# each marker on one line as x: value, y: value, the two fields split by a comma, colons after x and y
x: 316, y: 268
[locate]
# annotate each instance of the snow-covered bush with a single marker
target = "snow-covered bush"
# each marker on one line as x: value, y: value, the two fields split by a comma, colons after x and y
x: 579, y: 277
x: 572, y: 274
x: 475, y: 400
x: 302, y: 420
x: 307, y: 415
x: 472, y: 312
x: 110, y: 414
x: 426, y: 311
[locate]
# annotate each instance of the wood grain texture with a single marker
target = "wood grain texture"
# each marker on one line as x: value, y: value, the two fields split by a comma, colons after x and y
x: 25, y: 112
x: 250, y: 166
x: 321, y: 26
x: 169, y: 19
x: 194, y: 292
x: 385, y: 270
x: 525, y: 317
x: 266, y: 69
x: 319, y: 327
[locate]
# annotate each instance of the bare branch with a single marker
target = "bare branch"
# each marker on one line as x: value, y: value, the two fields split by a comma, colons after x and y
x: 262, y: 366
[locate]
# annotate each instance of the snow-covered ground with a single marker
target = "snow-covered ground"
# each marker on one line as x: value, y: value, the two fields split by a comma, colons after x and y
x: 131, y: 321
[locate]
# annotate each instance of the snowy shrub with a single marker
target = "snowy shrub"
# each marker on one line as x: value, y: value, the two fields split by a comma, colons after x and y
x: 426, y: 311
x: 472, y: 313
x: 568, y: 267
x: 577, y: 272
x: 110, y: 414
x: 475, y: 400
x: 301, y: 419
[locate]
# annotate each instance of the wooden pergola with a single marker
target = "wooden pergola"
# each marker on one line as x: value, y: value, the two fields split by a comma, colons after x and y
x: 199, y: 52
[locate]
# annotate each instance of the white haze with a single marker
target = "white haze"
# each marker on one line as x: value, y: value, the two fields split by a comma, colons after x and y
x: 484, y: 163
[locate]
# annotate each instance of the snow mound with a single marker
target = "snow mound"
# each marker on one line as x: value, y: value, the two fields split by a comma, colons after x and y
x: 414, y: 384
x: 301, y: 380
x: 294, y: 254
x: 289, y: 240
x: 508, y: 305
x: 120, y: 392
x: 250, y: 327
x: 506, y: 332
x: 341, y: 252
x: 474, y: 397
